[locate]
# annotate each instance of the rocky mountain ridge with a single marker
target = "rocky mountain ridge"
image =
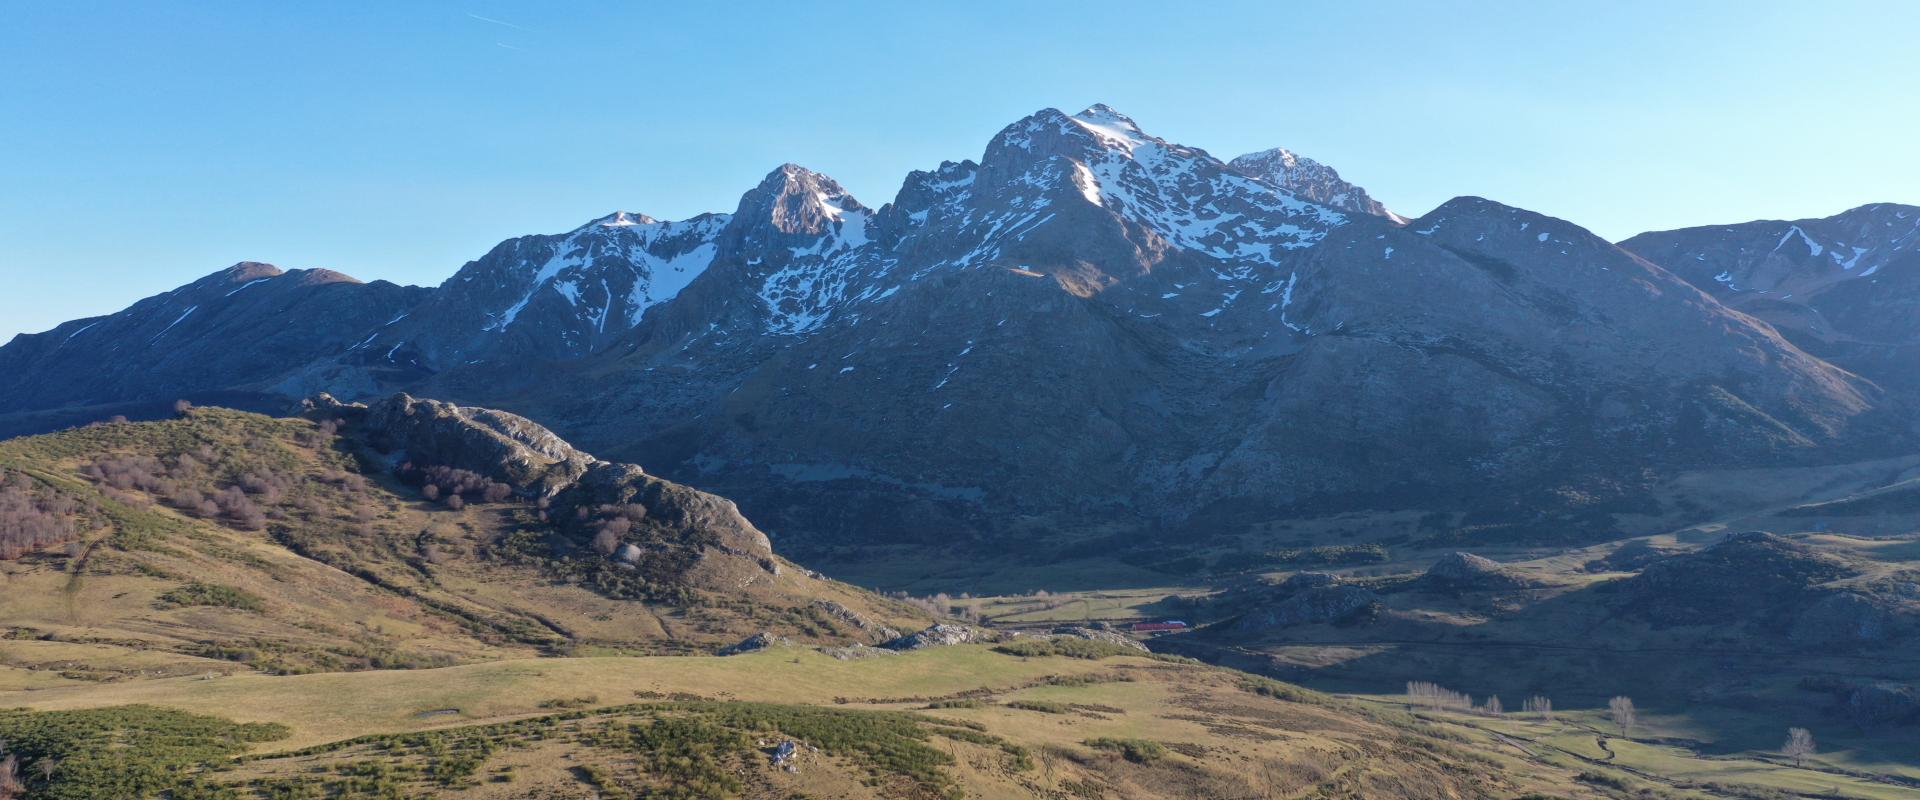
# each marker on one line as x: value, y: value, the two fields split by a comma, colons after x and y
x: 1092, y: 326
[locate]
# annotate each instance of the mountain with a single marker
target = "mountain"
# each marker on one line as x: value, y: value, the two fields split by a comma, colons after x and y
x: 1093, y: 331
x: 1311, y: 180
x: 249, y: 328
x: 1846, y: 287
x: 1092, y: 326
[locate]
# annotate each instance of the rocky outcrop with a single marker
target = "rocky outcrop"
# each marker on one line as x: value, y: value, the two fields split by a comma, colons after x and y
x: 1466, y: 572
x: 506, y: 447
x: 943, y: 634
x: 671, y: 533
x: 1098, y: 635
x: 1326, y: 604
x: 755, y: 643
x: 874, y: 631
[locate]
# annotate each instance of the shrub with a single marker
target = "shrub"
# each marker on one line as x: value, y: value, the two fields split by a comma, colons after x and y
x: 32, y: 517
x: 1067, y: 647
x: 1138, y: 751
x: 207, y: 594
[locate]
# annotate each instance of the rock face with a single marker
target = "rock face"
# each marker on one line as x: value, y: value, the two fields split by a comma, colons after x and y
x: 1846, y: 287
x: 1311, y: 180
x: 1466, y: 572
x: 1122, y: 330
x: 504, y: 446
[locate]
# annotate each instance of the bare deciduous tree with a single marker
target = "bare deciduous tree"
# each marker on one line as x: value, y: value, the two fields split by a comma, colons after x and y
x: 1494, y: 707
x: 1540, y: 706
x: 1799, y: 745
x: 1437, y: 697
x: 1620, y: 708
x: 11, y: 786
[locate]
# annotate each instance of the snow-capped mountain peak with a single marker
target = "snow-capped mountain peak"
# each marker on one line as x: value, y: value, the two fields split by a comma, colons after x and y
x: 1309, y: 179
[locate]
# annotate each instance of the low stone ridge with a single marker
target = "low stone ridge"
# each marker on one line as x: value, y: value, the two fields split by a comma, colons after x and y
x: 879, y: 633
x: 1097, y: 635
x: 943, y: 634
x: 1309, y: 580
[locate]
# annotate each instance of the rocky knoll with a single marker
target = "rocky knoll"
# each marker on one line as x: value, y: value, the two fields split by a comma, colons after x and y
x: 1774, y: 587
x: 1466, y: 572
x: 1308, y: 598
x: 664, y: 530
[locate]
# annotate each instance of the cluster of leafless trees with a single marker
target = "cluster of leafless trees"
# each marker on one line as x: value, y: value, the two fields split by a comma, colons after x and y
x: 966, y: 606
x: 610, y: 524
x: 1440, y: 698
x: 1538, y: 706
x: 33, y: 516
x: 177, y: 479
x: 455, y: 487
x: 177, y: 484
x: 1620, y: 709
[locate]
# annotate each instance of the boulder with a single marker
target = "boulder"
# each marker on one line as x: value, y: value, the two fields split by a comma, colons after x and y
x: 755, y: 643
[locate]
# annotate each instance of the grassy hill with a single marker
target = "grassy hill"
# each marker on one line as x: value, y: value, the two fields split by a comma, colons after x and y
x: 224, y: 541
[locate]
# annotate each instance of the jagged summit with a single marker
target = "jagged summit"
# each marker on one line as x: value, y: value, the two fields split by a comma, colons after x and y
x: 1309, y: 179
x: 796, y: 200
x: 621, y: 219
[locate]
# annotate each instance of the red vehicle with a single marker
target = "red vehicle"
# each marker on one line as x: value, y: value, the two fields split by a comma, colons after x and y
x: 1157, y: 627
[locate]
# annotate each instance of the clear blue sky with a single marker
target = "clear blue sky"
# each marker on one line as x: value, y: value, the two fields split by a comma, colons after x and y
x: 143, y: 145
